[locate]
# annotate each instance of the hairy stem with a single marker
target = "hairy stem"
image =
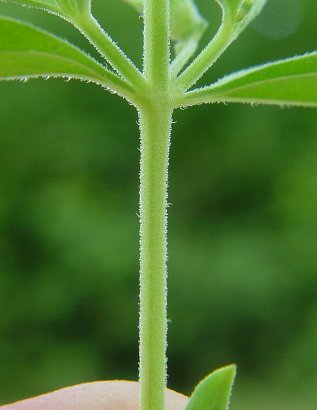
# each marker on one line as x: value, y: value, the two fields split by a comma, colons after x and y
x: 110, y: 51
x: 156, y: 42
x: 155, y: 127
x: 206, y: 58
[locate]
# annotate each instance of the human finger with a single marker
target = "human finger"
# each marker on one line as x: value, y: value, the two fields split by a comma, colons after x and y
x: 107, y: 395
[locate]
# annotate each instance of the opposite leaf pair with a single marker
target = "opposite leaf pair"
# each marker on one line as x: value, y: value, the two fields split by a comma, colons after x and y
x: 288, y: 82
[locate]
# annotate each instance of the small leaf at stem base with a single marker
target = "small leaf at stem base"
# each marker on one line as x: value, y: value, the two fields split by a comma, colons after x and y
x: 214, y: 391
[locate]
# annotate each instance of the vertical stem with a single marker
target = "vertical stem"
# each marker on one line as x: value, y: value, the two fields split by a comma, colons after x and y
x: 155, y: 127
x: 156, y: 42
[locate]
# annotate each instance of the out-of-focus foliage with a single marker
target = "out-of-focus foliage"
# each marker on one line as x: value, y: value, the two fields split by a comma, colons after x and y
x: 243, y: 232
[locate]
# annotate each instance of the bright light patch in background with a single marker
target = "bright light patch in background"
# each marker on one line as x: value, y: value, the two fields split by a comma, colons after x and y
x: 279, y: 18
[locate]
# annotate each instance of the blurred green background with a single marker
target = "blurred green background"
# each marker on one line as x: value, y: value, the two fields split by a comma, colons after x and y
x: 242, y: 233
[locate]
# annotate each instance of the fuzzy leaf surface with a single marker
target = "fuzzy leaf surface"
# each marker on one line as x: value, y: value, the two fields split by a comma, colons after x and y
x: 213, y: 392
x: 287, y: 82
x: 26, y: 52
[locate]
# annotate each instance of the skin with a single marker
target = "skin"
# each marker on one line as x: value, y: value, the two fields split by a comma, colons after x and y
x: 109, y: 395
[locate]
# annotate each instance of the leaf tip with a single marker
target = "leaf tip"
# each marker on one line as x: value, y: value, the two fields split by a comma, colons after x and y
x: 214, y: 391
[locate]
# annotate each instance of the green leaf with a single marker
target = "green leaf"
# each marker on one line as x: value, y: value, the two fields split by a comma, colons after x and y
x: 239, y: 13
x: 27, y: 52
x: 74, y: 9
x: 287, y: 82
x: 70, y: 9
x: 213, y: 392
x: 48, y: 5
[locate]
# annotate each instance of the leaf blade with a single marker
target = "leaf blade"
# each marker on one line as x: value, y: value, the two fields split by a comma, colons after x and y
x: 214, y: 391
x: 28, y: 52
x: 47, y: 5
x: 67, y: 9
x: 286, y: 82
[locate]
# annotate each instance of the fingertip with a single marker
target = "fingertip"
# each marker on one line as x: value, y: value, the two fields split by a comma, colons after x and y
x: 112, y: 395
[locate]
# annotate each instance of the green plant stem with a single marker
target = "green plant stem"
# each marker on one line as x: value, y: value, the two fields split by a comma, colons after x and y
x: 90, y: 28
x: 183, y: 57
x: 155, y: 127
x: 155, y: 116
x: 156, y: 42
x: 206, y: 58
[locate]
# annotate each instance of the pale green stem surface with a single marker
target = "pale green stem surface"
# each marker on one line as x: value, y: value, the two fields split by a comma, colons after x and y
x: 109, y: 50
x: 156, y: 42
x: 155, y: 127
